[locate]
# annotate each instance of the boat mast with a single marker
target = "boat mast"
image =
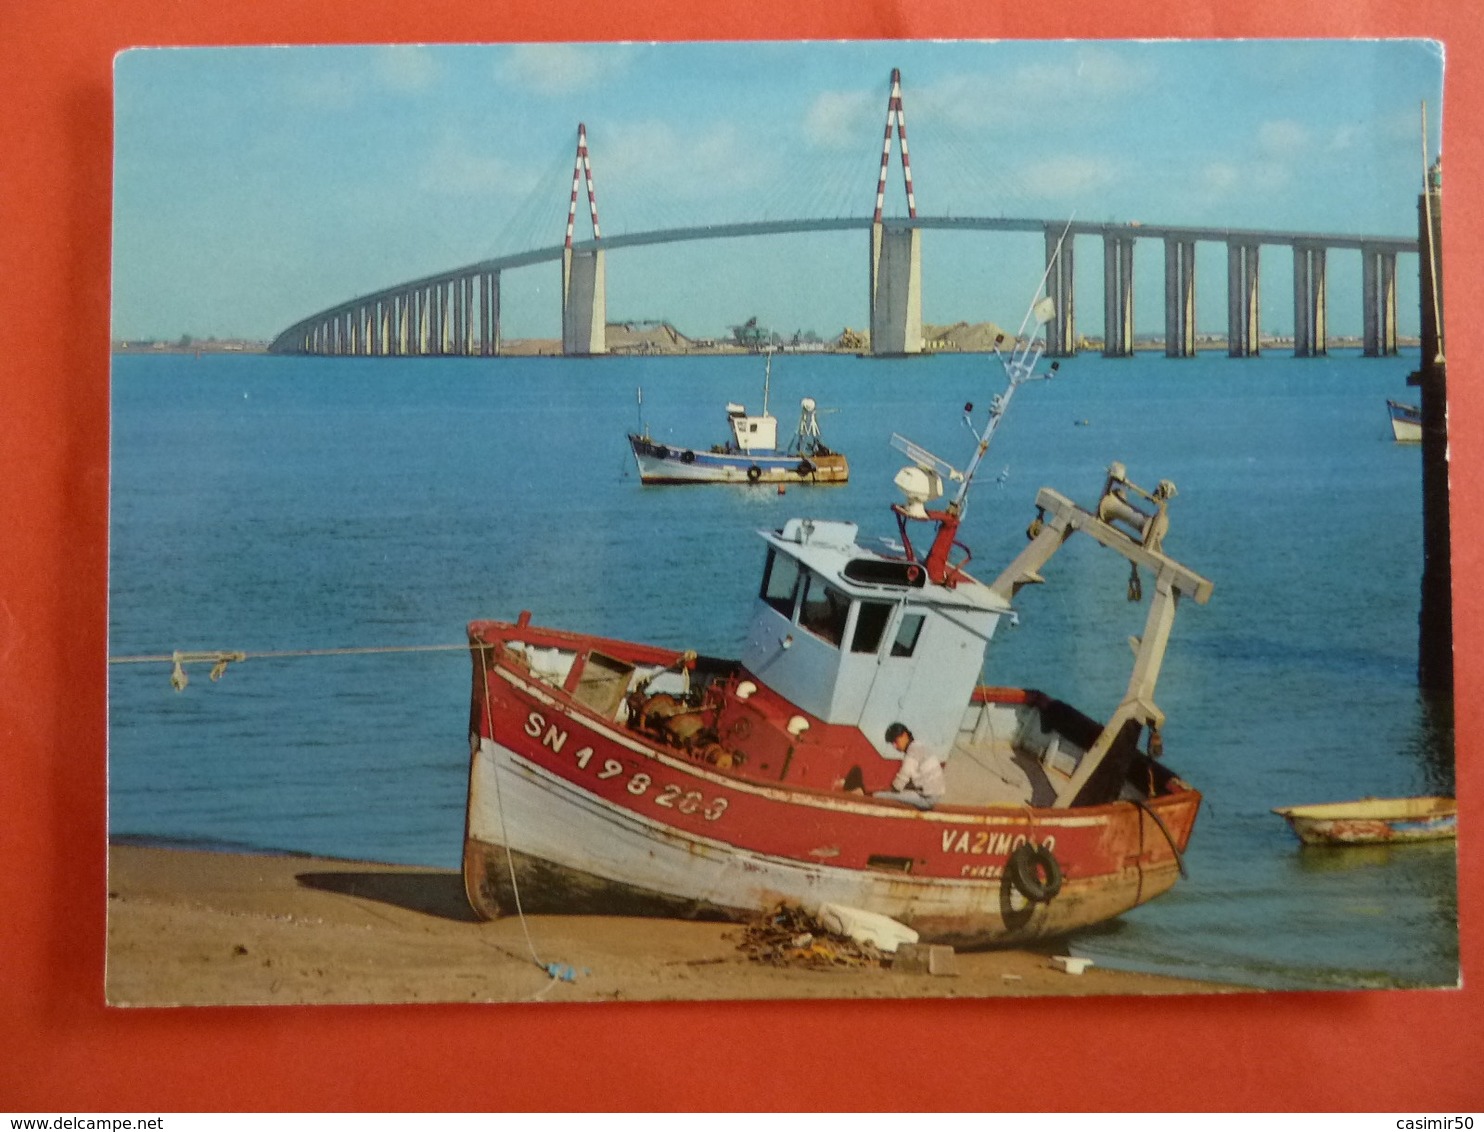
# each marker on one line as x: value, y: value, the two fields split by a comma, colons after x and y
x: 1020, y: 367
x: 767, y: 378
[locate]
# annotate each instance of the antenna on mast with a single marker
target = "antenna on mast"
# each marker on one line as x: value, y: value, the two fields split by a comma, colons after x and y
x: 767, y: 378
x: 924, y: 482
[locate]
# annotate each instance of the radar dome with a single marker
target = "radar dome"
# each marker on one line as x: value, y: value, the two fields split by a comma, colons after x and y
x: 919, y: 485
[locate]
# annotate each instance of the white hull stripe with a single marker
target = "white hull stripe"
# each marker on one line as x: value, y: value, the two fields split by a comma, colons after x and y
x: 558, y: 822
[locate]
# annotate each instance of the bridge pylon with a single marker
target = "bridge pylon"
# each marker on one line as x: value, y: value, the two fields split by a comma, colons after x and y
x: 584, y: 297
x: 896, y: 252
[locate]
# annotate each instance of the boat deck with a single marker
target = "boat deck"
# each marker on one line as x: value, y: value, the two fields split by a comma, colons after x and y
x: 1006, y: 753
x: 1005, y: 756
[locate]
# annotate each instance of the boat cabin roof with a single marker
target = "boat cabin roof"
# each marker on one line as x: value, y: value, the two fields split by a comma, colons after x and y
x: 829, y: 548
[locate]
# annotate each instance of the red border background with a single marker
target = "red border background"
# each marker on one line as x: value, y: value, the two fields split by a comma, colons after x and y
x: 61, y: 1050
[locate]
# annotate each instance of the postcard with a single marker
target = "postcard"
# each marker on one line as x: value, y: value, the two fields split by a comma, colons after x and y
x: 619, y: 522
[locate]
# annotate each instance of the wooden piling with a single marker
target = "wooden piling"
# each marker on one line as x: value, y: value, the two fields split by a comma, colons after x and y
x: 1435, y: 623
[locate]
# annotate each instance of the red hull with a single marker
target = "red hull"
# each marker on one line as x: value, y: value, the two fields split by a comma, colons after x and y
x: 602, y: 814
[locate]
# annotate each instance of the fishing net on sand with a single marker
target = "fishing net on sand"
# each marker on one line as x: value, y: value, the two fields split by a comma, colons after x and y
x: 787, y: 936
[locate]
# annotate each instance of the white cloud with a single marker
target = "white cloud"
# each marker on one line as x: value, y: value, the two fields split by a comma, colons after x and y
x: 841, y: 119
x: 552, y: 69
x: 326, y: 90
x: 405, y: 67
x: 1225, y: 181
x: 1065, y: 177
x: 1282, y: 139
x: 333, y: 88
x: 456, y: 168
x: 1093, y: 72
x: 1091, y: 81
x: 633, y: 156
x: 1219, y: 179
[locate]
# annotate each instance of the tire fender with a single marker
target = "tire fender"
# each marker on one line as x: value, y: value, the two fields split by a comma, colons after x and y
x: 1034, y: 872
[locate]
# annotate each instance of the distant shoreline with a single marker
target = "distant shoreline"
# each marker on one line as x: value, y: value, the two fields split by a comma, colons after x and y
x: 551, y: 347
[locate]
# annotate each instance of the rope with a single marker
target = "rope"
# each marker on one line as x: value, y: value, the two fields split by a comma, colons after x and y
x: 552, y: 971
x: 203, y: 657
x: 220, y: 658
x: 1164, y: 829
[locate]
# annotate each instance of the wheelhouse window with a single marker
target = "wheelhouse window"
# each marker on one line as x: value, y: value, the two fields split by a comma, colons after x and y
x: 780, y: 583
x: 824, y: 610
x: 905, y: 642
x: 870, y: 625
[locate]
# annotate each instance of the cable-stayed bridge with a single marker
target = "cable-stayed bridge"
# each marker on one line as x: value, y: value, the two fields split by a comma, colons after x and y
x: 457, y: 312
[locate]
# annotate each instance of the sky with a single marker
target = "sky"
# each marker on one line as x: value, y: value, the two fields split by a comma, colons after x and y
x: 256, y: 186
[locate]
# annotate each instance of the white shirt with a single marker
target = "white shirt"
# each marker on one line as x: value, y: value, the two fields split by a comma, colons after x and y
x: 922, y: 768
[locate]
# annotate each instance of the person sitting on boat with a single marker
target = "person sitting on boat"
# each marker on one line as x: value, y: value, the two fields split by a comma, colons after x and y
x: 920, y: 781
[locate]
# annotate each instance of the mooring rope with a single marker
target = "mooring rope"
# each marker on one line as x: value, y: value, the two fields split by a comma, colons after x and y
x: 489, y: 722
x: 220, y: 658
x: 1170, y: 837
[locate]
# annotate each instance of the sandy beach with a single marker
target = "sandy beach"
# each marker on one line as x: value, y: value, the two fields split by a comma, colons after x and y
x: 188, y: 927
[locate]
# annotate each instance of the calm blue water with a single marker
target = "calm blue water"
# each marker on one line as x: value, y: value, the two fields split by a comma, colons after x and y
x: 280, y: 504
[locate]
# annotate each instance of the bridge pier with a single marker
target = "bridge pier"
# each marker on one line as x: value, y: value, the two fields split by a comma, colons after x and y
x: 489, y: 314
x: 1061, y: 331
x: 1378, y: 294
x: 584, y: 303
x: 448, y: 323
x: 450, y: 291
x: 1118, y: 296
x: 896, y: 290
x: 1309, y: 306
x: 1243, y: 330
x: 1179, y: 298
x: 458, y: 334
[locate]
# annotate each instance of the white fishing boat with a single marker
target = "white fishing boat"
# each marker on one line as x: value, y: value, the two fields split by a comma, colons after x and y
x: 750, y: 454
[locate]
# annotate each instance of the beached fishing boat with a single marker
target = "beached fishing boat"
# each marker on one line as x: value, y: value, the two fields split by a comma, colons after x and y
x: 1374, y: 821
x: 610, y: 776
x: 1406, y: 422
x: 750, y: 454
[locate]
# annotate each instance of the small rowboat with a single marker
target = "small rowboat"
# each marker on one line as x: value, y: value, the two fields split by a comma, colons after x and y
x: 1406, y: 422
x: 1374, y: 821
